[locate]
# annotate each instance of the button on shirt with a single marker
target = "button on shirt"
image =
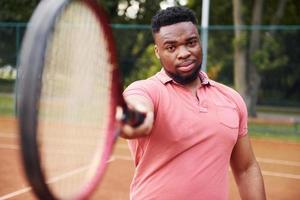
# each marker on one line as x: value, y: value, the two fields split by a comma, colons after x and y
x: 187, y: 153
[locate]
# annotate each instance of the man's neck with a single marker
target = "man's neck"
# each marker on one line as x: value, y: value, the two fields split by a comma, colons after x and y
x: 193, y: 86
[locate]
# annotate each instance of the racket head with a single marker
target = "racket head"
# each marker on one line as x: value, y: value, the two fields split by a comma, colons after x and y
x: 34, y: 105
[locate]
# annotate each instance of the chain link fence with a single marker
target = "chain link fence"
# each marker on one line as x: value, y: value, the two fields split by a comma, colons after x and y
x: 277, y: 59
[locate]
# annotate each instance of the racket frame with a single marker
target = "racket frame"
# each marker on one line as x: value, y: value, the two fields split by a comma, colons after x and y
x: 29, y: 90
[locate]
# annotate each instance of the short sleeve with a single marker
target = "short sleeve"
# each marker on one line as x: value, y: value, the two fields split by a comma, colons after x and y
x: 145, y: 88
x: 243, y: 115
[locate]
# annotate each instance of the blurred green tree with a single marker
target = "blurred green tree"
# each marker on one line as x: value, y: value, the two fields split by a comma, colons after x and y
x: 268, y: 53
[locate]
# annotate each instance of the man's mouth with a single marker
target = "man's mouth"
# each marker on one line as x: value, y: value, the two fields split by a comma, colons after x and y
x: 186, y: 66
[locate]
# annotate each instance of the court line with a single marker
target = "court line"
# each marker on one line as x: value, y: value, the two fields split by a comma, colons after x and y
x: 121, y: 146
x: 9, y: 146
x: 128, y: 158
x: 57, y: 178
x: 7, y: 135
x: 52, y: 180
x: 259, y: 159
x: 16, y: 193
x: 279, y: 162
x: 281, y: 175
x: 266, y: 173
x: 67, y: 174
x: 16, y: 147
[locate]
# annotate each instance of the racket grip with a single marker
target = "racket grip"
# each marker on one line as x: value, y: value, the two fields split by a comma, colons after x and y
x: 133, y: 118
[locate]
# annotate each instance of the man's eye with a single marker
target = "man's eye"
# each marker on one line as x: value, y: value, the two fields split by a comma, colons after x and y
x: 170, y: 48
x: 192, y: 43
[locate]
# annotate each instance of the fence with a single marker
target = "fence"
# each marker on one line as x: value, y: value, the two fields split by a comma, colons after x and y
x: 277, y: 60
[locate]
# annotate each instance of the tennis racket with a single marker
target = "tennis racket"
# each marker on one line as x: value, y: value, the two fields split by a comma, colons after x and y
x: 69, y: 87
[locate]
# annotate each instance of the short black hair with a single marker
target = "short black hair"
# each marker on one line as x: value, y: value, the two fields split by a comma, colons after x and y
x: 172, y: 15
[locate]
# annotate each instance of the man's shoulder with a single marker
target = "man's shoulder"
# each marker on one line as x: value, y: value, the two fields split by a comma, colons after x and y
x: 225, y: 88
x: 229, y: 92
x: 151, y: 86
x: 150, y: 82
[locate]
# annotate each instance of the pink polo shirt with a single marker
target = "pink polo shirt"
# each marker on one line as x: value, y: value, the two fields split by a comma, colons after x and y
x: 187, y: 154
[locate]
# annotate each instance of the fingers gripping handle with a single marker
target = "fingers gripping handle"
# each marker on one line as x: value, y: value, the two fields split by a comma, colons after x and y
x: 131, y: 116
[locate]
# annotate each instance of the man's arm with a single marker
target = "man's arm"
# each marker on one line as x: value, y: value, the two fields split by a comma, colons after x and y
x: 141, y: 104
x: 246, y: 171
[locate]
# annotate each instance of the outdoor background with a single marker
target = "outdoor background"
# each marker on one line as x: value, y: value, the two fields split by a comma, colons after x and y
x: 263, y: 34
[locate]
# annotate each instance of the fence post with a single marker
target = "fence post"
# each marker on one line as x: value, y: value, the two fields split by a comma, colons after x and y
x: 17, y: 43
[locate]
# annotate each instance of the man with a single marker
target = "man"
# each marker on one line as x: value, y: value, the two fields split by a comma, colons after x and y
x: 194, y: 126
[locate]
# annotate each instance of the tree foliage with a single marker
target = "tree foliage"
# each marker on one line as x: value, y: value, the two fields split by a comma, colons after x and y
x: 278, y: 52
x: 16, y: 10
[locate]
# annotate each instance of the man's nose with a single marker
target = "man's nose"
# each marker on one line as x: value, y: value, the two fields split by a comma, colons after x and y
x: 183, y: 52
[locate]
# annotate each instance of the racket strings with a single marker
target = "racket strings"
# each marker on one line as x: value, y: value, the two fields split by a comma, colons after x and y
x: 74, y: 101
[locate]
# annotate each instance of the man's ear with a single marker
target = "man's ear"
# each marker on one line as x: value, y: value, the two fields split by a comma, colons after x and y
x: 156, y: 51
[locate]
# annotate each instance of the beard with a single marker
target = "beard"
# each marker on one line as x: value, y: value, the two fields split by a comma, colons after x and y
x: 183, y: 80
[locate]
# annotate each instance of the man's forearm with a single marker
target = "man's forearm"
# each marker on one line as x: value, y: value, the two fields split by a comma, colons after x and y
x: 251, y: 184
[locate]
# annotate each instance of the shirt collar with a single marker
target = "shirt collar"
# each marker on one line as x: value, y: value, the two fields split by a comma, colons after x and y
x: 164, y: 78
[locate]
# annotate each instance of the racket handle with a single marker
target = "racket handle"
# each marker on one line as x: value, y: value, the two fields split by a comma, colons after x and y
x: 132, y: 117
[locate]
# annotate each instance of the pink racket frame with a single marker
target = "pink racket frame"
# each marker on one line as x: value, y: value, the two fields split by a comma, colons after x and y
x: 116, y: 99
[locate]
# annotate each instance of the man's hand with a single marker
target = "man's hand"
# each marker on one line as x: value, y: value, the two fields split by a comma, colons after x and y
x: 140, y: 104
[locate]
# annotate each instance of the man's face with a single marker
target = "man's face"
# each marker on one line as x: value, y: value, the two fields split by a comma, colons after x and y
x: 178, y: 48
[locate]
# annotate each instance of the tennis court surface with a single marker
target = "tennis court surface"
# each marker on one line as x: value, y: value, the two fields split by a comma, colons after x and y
x: 279, y: 161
